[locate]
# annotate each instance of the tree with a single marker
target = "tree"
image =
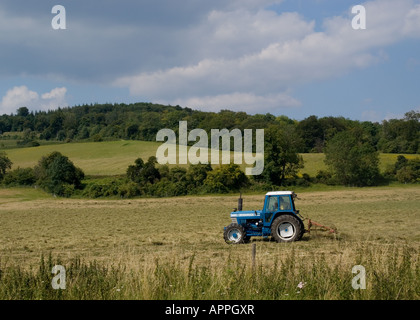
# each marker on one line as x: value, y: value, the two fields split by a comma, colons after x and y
x: 401, y: 135
x: 412, y: 115
x: 179, y: 175
x: 20, y: 177
x: 197, y: 173
x: 281, y: 158
x: 150, y: 172
x: 56, y: 123
x: 352, y: 159
x: 22, y: 112
x: 400, y: 163
x: 5, y: 164
x: 406, y: 175
x: 134, y: 171
x: 142, y: 172
x: 226, y: 178
x: 132, y: 131
x: 312, y: 134
x: 55, y: 173
x: 407, y: 171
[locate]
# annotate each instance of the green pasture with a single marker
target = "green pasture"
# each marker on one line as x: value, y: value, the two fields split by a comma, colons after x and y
x: 113, y: 157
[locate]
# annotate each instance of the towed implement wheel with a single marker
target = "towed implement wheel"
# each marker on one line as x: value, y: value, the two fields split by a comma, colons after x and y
x: 235, y: 234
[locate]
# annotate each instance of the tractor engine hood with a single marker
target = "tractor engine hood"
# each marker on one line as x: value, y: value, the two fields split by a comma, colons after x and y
x: 246, y: 214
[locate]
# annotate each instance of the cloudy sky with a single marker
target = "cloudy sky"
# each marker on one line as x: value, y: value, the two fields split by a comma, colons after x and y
x: 286, y: 57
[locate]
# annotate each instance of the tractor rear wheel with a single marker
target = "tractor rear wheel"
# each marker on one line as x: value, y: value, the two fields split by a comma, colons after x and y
x: 234, y: 234
x: 287, y: 228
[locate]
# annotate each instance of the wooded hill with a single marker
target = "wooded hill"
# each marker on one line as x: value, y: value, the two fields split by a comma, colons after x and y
x: 142, y: 121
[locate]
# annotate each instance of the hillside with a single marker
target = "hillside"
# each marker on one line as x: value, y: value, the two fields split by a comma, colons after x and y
x: 113, y: 157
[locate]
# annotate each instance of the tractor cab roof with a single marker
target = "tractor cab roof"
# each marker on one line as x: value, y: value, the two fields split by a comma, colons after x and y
x: 279, y: 193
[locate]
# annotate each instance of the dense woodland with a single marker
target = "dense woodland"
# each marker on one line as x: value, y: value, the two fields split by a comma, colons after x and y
x: 142, y: 121
x: 351, y: 150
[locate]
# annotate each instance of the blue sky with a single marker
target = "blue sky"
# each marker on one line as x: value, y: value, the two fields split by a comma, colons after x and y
x: 287, y: 57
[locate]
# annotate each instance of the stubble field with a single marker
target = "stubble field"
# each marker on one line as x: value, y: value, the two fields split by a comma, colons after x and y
x: 173, y: 248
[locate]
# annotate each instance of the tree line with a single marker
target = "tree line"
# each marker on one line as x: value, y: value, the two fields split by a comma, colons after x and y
x: 350, y: 161
x: 142, y: 121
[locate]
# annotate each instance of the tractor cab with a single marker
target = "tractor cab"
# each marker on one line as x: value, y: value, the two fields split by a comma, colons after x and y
x: 278, y: 202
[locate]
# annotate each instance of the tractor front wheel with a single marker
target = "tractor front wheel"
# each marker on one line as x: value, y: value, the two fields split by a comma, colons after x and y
x: 234, y: 234
x: 287, y: 228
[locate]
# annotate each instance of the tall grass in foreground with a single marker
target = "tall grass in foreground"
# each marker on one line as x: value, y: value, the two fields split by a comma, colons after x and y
x: 391, y: 273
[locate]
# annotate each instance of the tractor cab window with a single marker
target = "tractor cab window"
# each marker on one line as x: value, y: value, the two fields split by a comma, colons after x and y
x: 284, y: 203
x: 273, y: 204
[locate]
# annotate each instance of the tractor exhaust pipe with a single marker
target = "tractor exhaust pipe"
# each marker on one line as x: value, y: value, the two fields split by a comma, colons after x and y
x: 240, y: 201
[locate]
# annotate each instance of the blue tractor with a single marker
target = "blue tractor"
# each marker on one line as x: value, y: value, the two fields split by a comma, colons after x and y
x: 278, y: 219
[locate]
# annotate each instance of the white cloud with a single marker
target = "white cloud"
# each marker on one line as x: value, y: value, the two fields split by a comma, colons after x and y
x: 252, y: 56
x: 21, y: 96
x: 55, y: 94
x: 372, y: 115
x: 53, y: 99
x: 412, y: 22
x: 232, y: 34
x: 17, y: 97
x: 237, y: 101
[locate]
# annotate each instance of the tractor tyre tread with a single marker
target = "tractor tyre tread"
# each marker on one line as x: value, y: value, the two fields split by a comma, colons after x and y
x: 296, y: 222
x: 244, y: 238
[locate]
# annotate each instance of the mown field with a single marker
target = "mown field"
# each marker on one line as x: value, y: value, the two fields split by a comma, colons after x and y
x: 173, y: 248
x: 113, y: 157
